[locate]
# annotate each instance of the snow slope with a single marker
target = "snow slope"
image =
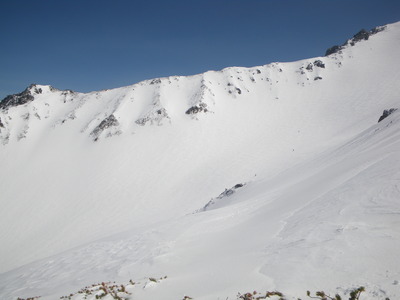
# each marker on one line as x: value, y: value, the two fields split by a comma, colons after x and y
x: 124, y: 184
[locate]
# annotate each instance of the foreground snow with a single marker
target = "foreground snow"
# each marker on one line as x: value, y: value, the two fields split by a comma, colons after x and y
x: 88, y: 198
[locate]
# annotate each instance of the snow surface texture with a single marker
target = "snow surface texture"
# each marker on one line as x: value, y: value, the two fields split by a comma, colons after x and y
x: 123, y: 184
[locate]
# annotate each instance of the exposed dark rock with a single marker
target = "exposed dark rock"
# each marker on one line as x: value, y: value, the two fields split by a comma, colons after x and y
x: 239, y: 91
x: 106, y: 123
x: 359, y: 36
x: 226, y: 193
x: 18, y: 99
x: 377, y: 29
x: 318, y: 78
x: 309, y: 67
x: 155, y: 116
x: 26, y: 96
x: 142, y: 121
x: 193, y: 110
x: 38, y: 90
x: 319, y: 64
x: 334, y: 49
x: 230, y: 191
x: 386, y: 113
x: 66, y: 92
x: 196, y: 109
x: 155, y: 81
x: 1, y: 124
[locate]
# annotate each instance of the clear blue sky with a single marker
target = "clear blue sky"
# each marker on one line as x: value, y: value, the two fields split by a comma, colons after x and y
x: 90, y: 45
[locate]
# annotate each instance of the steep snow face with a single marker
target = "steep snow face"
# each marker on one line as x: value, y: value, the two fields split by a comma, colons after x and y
x: 124, y: 183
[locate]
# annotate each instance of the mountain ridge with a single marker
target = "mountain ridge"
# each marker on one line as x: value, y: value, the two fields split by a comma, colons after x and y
x: 361, y: 35
x: 197, y: 93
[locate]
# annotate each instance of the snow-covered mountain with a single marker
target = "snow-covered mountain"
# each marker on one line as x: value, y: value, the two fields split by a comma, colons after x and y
x: 277, y: 177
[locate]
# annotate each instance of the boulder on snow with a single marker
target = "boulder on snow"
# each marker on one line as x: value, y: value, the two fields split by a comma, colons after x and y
x: 386, y: 113
x: 224, y: 194
x: 318, y: 63
x: 196, y: 109
x: 155, y: 81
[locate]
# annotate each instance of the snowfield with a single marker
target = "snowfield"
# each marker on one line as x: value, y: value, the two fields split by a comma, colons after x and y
x: 277, y: 177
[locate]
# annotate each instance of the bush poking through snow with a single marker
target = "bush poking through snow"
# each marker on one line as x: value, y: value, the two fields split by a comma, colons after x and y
x: 108, y: 290
x: 257, y: 296
x: 354, y: 295
x: 101, y: 290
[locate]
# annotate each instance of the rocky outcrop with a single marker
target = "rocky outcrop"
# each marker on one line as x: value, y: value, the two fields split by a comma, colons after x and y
x: 377, y: 29
x: 318, y: 63
x: 386, y: 113
x: 201, y: 107
x: 108, y: 122
x: 200, y: 100
x: 333, y: 49
x: 19, y: 99
x: 359, y: 36
x: 154, y: 117
x: 224, y: 194
x: 28, y: 95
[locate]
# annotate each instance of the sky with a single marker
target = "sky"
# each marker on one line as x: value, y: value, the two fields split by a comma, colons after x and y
x: 90, y: 45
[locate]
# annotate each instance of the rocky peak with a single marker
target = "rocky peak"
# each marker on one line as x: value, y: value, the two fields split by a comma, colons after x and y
x: 359, y: 36
x: 26, y: 96
x: 19, y: 99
